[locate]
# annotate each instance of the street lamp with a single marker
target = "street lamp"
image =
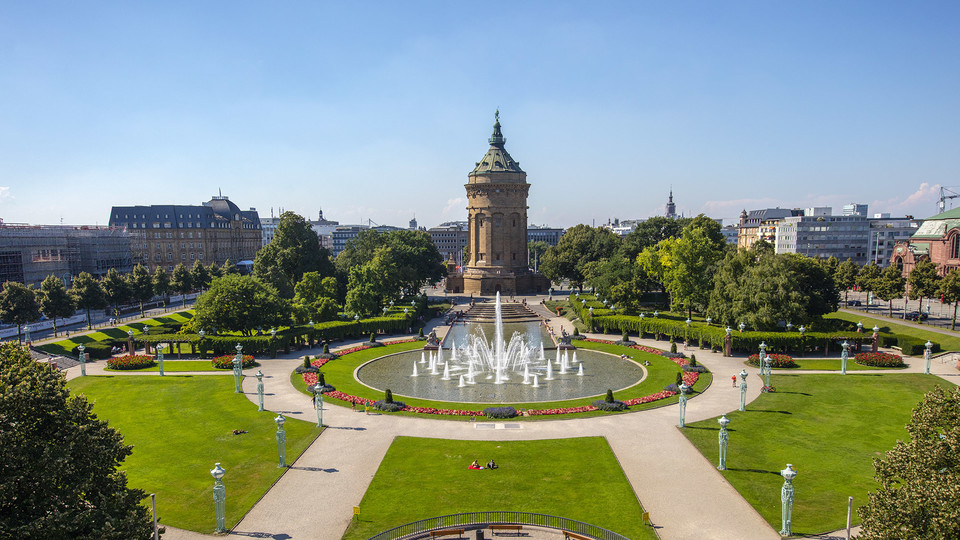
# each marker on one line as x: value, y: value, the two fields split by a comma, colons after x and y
x: 385, y: 311
x: 260, y: 390
x: 26, y: 330
x: 789, y: 326
x: 591, y: 311
x: 201, y: 333
x: 742, y: 326
x: 405, y: 311
x: 130, y: 348
x: 356, y: 317
x: 743, y: 389
x: 318, y: 402
x: 683, y: 404
x: 83, y: 360
x: 859, y: 326
x: 724, y: 438
x: 728, y: 330
x: 786, y: 498
x: 237, y: 368
x: 656, y: 314
x: 843, y: 357
x: 281, y: 440
x: 160, y: 347
x: 802, y: 330
x: 709, y: 319
x: 219, y: 495
x: 927, y: 355
x: 273, y: 333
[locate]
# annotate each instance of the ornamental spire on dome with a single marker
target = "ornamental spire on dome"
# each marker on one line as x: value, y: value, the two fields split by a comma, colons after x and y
x: 497, y: 139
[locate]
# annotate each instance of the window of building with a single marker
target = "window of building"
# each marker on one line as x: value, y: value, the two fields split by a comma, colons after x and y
x: 955, y: 246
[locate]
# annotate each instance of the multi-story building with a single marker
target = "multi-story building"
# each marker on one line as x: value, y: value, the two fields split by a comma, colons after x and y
x: 450, y: 238
x: 936, y: 239
x: 167, y: 235
x: 762, y: 225
x: 30, y: 253
x: 886, y: 232
x: 322, y: 227
x: 820, y: 234
x: 544, y: 233
x: 343, y: 234
x: 730, y: 234
x: 855, y: 209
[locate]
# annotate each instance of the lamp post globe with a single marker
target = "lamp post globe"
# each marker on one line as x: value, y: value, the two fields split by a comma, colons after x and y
x: 927, y: 356
x: 742, y: 326
x: 859, y: 326
x: 688, y: 321
x: 709, y: 319
x: 642, y: 316
x: 273, y: 333
x: 789, y: 326
x: 683, y: 404
x: 656, y: 314
x: 259, y: 390
x: 356, y: 317
x: 743, y: 389
x: 728, y: 330
x: 318, y: 402
x: 26, y: 330
x: 219, y: 496
x: 237, y: 368
x: 160, y: 347
x: 876, y: 329
x: 802, y: 330
x: 786, y: 499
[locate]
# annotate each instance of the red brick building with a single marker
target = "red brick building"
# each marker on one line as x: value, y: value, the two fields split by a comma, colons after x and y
x: 937, y: 239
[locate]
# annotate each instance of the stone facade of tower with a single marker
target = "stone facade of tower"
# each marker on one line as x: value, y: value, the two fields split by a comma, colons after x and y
x: 497, y: 191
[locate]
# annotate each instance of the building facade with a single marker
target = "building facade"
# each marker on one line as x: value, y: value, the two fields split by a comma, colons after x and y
x: 886, y: 232
x: 761, y: 225
x: 543, y: 233
x: 450, y: 239
x: 823, y: 235
x: 936, y: 239
x: 167, y: 235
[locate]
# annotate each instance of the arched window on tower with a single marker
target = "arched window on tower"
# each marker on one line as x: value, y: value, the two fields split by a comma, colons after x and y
x: 899, y: 263
x: 955, y: 245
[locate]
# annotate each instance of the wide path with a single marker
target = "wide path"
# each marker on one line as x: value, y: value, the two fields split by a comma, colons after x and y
x: 316, y: 496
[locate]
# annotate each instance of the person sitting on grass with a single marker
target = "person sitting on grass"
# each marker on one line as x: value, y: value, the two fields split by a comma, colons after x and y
x: 492, y: 465
x: 475, y: 466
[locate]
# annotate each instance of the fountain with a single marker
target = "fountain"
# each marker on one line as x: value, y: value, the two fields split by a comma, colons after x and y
x: 526, y: 374
x: 414, y: 370
x: 462, y: 384
x: 580, y: 371
x: 446, y: 372
x: 536, y: 381
x: 423, y: 359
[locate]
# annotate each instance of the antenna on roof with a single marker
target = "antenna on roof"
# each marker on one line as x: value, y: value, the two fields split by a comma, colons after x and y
x: 220, y: 191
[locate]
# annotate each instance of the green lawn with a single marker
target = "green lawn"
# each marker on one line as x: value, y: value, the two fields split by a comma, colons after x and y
x: 947, y: 342
x: 179, y: 427
x: 578, y: 478
x: 661, y: 372
x: 823, y: 364
x: 181, y: 366
x: 829, y: 427
x: 64, y: 346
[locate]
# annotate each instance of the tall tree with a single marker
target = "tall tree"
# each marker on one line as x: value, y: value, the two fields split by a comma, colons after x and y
x: 199, y: 276
x: 831, y: 265
x: 845, y: 276
x: 919, y: 495
x: 116, y: 289
x: 182, y: 282
x: 294, y: 250
x: 579, y: 246
x: 417, y: 258
x: 18, y: 305
x: 228, y: 267
x: 88, y: 294
x: 214, y: 271
x: 867, y: 277
x: 619, y: 280
x: 372, y: 285
x: 60, y: 476
x: 242, y: 304
x: 924, y: 282
x: 891, y: 284
x: 315, y: 299
x: 950, y: 292
x: 55, y: 301
x: 161, y: 283
x: 140, y: 283
x: 650, y: 233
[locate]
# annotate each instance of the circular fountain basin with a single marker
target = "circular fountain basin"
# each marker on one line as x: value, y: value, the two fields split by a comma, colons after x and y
x: 601, y: 372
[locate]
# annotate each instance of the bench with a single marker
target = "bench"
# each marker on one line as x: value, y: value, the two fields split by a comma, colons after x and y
x: 498, y: 528
x: 567, y: 535
x: 447, y: 532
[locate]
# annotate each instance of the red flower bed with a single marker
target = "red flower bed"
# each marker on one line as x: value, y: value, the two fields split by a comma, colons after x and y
x: 878, y: 359
x: 777, y: 360
x: 131, y: 361
x: 226, y: 361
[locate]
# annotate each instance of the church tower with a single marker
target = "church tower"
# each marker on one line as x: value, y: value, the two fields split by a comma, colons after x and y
x: 497, y: 225
x: 671, y: 208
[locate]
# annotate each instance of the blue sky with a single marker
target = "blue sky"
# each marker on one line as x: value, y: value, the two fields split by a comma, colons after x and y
x: 378, y: 110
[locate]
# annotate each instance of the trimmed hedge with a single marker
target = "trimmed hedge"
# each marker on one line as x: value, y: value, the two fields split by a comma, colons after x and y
x: 95, y: 350
x: 879, y: 359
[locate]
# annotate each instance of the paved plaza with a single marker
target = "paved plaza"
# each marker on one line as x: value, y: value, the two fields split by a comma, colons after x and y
x: 686, y: 496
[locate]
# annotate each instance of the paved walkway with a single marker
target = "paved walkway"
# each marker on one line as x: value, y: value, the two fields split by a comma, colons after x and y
x: 657, y: 459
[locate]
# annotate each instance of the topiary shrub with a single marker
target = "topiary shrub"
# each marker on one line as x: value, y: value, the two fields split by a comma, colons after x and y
x: 136, y: 361
x: 226, y: 361
x: 609, y: 404
x: 694, y: 366
x: 306, y: 367
x: 388, y: 396
x: 95, y: 350
x: 879, y: 359
x: 673, y: 346
x: 387, y: 404
x: 626, y: 337
x: 373, y: 337
x: 778, y: 360
x: 576, y: 331
x: 326, y: 348
x: 500, y: 412
x: 609, y: 397
x: 679, y: 379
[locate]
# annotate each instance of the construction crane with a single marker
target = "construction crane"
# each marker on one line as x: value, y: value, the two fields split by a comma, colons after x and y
x: 942, y: 203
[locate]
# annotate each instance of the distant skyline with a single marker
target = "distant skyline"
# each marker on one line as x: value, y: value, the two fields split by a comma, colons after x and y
x: 379, y: 110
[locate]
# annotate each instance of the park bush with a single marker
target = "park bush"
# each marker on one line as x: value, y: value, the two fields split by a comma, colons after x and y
x: 135, y: 361
x: 500, y: 412
x: 694, y: 366
x: 95, y: 350
x: 226, y: 361
x: 915, y: 346
x: 778, y: 360
x: 609, y: 404
x: 878, y: 359
x: 387, y: 404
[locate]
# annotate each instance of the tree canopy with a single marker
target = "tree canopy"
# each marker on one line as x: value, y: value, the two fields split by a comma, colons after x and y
x: 315, y: 299
x: 181, y: 282
x: 55, y: 301
x: 579, y: 246
x: 88, y: 294
x: 924, y: 281
x: 950, y: 292
x: 373, y: 284
x: 240, y: 304
x: 294, y: 250
x: 888, y: 285
x: 115, y: 289
x: 18, y: 304
x: 140, y: 283
x: 60, y: 476
x: 417, y: 260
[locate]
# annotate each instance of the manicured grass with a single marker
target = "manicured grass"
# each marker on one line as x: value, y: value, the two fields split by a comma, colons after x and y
x: 179, y: 427
x: 661, y: 372
x: 64, y: 346
x: 947, y: 342
x: 578, y: 478
x: 181, y: 366
x: 830, y: 427
x: 823, y: 364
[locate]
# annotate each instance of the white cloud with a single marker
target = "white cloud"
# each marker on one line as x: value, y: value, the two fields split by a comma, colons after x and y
x: 5, y: 193
x: 455, y: 203
x: 924, y: 198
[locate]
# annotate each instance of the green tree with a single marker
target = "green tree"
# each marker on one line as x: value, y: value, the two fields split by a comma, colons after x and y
x: 181, y: 282
x: 950, y: 291
x: 867, y: 277
x: 294, y: 250
x: 18, y: 305
x: 88, y: 294
x: 830, y: 264
x: 651, y: 232
x: 199, y: 276
x: 161, y: 283
x: 238, y: 303
x: 417, y: 259
x: 579, y: 246
x: 140, y: 284
x: 845, y: 276
x: 919, y: 478
x: 214, y: 271
x: 228, y: 267
x: 372, y: 285
x: 891, y: 284
x: 55, y: 301
x: 619, y: 280
x: 924, y: 282
x: 116, y: 289
x: 315, y: 299
x: 60, y: 476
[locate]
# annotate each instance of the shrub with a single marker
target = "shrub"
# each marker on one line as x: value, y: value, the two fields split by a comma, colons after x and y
x: 626, y: 337
x: 609, y: 398
x: 679, y: 379
x: 135, y: 361
x: 388, y: 397
x: 576, y: 331
x: 389, y: 407
x: 878, y: 359
x: 226, y: 361
x: 778, y: 360
x: 673, y: 346
x: 500, y: 412
x: 306, y: 361
x: 693, y: 360
x: 610, y: 406
x: 673, y: 354
x: 915, y: 346
x: 373, y: 337
x: 95, y: 350
x: 326, y: 348
x: 419, y: 333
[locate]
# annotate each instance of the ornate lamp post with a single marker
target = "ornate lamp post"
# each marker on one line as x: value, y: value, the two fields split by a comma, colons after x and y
x: 385, y: 311
x: 201, y: 333
x: 311, y: 331
x: 741, y: 326
x: 281, y: 440
x: 130, y: 341
x: 219, y: 495
x: 843, y: 357
x: 789, y: 326
x: 259, y: 390
x: 656, y: 314
x: 83, y: 360
x: 683, y: 405
x: 709, y: 320
x: 591, y: 311
x: 927, y: 355
x: 686, y: 334
x: 768, y: 364
x: 160, y: 347
x: 318, y: 402
x: 724, y: 438
x: 743, y: 389
x: 786, y: 498
x: 26, y: 330
x: 876, y: 337
x: 237, y: 368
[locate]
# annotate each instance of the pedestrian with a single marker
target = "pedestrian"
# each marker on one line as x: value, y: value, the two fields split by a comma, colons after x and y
x: 734, y: 379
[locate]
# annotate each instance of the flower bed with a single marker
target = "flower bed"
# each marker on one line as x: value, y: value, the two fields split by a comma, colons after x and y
x: 778, y: 360
x: 131, y: 361
x: 226, y: 361
x: 879, y: 359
